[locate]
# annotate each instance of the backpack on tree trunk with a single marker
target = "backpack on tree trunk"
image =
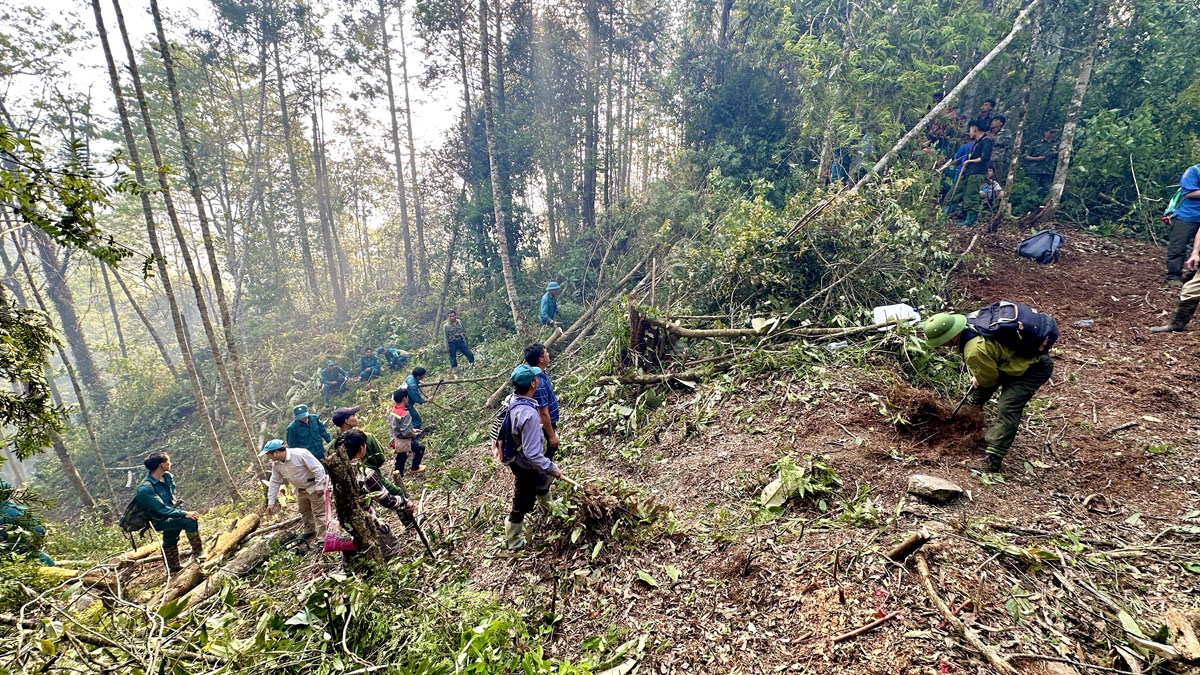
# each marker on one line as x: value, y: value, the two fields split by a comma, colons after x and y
x: 502, y: 429
x: 1042, y: 247
x: 1029, y: 332
x: 136, y: 520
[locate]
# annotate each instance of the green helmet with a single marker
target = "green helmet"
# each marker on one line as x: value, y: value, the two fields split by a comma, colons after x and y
x: 941, y: 328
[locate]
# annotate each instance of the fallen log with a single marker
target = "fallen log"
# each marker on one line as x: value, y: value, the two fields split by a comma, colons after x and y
x: 909, y: 546
x: 242, y: 564
x: 1183, y: 624
x: 229, y: 541
x: 182, y: 582
x: 869, y: 627
x: 999, y: 664
x: 140, y: 553
x: 277, y: 526
x: 660, y: 378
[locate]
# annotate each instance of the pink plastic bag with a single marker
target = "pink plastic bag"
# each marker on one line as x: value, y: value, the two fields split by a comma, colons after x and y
x: 334, y: 541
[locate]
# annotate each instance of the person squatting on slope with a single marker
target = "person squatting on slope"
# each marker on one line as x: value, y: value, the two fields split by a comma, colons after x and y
x: 298, y: 468
x: 993, y: 365
x: 369, y: 367
x: 333, y: 381
x: 404, y: 433
x: 531, y: 468
x: 156, y: 495
x: 456, y: 340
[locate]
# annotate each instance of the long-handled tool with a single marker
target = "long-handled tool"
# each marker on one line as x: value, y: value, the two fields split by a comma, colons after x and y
x: 960, y: 403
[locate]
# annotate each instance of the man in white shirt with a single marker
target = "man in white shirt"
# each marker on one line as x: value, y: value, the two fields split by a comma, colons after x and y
x: 298, y: 467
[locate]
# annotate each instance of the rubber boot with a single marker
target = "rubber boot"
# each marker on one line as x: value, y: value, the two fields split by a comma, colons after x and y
x: 970, y: 220
x: 514, y: 535
x: 197, y: 545
x: 1179, y: 320
x: 172, y: 556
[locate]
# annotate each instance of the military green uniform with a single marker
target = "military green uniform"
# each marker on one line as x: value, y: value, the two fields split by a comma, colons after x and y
x: 1041, y: 171
x: 997, y: 366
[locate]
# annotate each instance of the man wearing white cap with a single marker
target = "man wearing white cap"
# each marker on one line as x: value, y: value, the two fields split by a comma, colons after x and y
x: 298, y: 467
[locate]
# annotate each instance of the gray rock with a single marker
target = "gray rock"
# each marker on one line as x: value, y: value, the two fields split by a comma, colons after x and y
x: 934, y: 489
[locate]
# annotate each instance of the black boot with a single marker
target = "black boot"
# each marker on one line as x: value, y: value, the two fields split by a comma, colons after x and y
x: 172, y: 556
x: 1179, y: 320
x: 197, y: 545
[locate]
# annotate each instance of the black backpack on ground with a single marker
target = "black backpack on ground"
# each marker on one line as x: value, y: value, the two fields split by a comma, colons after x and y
x: 502, y: 431
x: 1029, y: 332
x: 1042, y: 247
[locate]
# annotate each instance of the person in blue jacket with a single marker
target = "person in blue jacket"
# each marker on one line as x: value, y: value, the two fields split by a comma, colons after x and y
x: 395, y: 358
x: 369, y: 366
x: 308, y: 432
x: 413, y: 384
x: 156, y: 495
x: 21, y: 532
x: 548, y: 312
x: 333, y: 381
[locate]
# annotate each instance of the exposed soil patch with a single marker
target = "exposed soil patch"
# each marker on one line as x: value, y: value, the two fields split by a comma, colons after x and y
x: 924, y: 416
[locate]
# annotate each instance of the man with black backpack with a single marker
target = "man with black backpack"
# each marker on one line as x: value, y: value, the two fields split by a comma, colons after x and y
x: 1005, y: 346
x: 156, y: 496
x: 518, y: 443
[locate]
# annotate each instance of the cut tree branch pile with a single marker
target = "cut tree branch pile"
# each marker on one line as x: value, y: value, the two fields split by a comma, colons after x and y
x: 242, y: 564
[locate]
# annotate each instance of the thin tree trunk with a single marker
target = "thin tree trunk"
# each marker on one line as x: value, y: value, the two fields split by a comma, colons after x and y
x: 294, y: 174
x: 441, y: 310
x: 422, y: 255
x: 1029, y: 64
x: 64, y: 302
x: 326, y: 217
x: 64, y: 457
x: 112, y: 308
x: 592, y: 111
x: 1067, y: 143
x: 194, y: 276
x: 466, y: 83
x: 80, y: 399
x: 158, y: 342
x: 160, y: 260
x: 237, y: 384
x: 387, y: 70
x: 510, y: 284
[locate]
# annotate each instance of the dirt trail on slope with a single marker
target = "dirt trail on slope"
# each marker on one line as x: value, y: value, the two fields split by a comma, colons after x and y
x: 732, y: 594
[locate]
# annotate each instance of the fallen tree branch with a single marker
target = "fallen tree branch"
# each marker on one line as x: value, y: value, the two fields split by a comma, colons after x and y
x: 1072, y: 662
x: 241, y: 565
x: 998, y: 663
x: 909, y: 546
x: 277, y: 526
x: 869, y: 627
x: 97, y: 640
x: 660, y: 378
x: 962, y: 255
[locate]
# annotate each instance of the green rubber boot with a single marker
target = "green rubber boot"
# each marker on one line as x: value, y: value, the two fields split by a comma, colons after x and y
x: 514, y: 535
x: 1179, y: 320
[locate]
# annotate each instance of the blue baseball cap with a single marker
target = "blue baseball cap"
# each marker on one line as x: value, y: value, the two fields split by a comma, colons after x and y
x: 271, y: 446
x: 553, y: 286
x: 300, y: 411
x: 329, y: 363
x: 523, y: 374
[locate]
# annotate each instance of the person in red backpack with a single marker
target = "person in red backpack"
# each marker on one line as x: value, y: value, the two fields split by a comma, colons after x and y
x: 404, y: 436
x: 993, y: 365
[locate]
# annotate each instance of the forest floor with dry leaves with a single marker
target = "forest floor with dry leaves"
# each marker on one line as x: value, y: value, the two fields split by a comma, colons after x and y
x: 1091, y: 528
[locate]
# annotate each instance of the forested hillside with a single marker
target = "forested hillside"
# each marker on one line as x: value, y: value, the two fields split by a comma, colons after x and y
x: 739, y: 238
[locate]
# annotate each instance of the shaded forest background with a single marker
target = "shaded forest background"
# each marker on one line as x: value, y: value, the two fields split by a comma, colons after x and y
x: 302, y: 220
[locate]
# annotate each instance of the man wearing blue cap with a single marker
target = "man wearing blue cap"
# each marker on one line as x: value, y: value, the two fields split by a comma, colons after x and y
x: 531, y: 467
x: 549, y: 309
x: 333, y: 381
x: 297, y: 467
x: 308, y: 431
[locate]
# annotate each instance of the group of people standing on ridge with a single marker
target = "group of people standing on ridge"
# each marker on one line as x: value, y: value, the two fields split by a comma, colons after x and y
x: 298, y: 460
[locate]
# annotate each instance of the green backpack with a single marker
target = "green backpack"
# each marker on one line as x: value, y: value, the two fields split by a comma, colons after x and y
x: 1172, y: 206
x: 136, y: 520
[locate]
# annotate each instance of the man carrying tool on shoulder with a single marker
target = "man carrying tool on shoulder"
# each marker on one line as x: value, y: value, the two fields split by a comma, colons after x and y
x: 1005, y: 347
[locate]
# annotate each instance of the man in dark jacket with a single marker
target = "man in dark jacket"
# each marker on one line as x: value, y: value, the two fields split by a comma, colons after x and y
x: 369, y: 366
x: 308, y: 432
x: 974, y: 170
x: 156, y: 495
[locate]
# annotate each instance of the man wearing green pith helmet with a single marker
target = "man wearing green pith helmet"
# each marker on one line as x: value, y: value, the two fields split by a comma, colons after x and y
x: 993, y: 366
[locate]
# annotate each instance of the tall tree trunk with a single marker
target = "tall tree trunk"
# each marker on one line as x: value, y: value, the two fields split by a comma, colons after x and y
x: 387, y: 71
x: 158, y: 341
x: 64, y: 457
x: 1029, y: 66
x: 112, y: 308
x: 160, y: 260
x: 592, y: 111
x: 238, y: 395
x: 294, y: 174
x: 422, y: 255
x: 510, y: 284
x: 466, y: 82
x: 1066, y: 143
x: 64, y: 302
x: 194, y: 276
x: 79, y: 397
x: 325, y: 214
